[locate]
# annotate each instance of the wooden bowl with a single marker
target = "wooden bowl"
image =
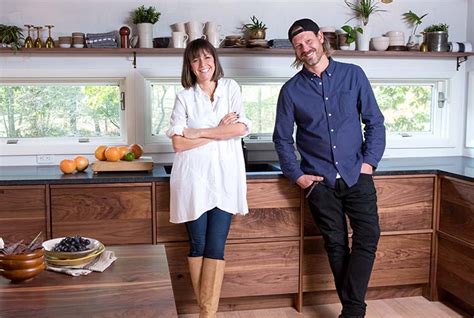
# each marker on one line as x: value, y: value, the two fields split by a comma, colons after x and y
x: 22, y: 267
x: 21, y: 275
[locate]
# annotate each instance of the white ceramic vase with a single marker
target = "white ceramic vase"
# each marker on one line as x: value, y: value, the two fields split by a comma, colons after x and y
x: 145, y: 35
x: 363, y: 39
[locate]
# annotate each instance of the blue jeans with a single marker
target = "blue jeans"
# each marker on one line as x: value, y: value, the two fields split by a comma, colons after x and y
x: 207, y: 235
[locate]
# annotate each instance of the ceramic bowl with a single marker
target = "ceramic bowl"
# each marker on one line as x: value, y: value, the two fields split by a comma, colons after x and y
x: 327, y: 29
x: 22, y: 267
x: 64, y: 45
x: 395, y: 33
x: 380, y: 46
x: 50, y: 244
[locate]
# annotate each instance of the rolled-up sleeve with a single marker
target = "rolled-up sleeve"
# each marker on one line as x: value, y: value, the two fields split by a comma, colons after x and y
x: 238, y: 107
x: 178, y: 119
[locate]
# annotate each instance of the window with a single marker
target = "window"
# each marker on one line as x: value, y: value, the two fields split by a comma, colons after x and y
x: 414, y: 111
x: 60, y: 110
x: 162, y: 96
x: 259, y: 101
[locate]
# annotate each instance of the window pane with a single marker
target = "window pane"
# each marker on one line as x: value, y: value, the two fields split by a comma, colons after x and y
x: 59, y: 111
x: 162, y: 103
x: 260, y: 105
x: 407, y: 108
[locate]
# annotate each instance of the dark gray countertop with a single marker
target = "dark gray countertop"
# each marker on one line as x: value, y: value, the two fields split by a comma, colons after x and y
x: 460, y: 167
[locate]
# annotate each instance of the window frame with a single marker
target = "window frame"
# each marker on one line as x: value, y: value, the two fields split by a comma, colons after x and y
x: 64, y: 145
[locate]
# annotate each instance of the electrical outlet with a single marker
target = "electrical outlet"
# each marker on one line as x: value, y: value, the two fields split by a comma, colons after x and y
x: 44, y: 159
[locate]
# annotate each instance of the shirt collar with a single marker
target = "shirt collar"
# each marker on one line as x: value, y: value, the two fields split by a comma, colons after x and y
x: 329, y: 70
x: 217, y: 93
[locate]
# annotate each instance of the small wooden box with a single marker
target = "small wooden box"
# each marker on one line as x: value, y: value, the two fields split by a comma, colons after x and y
x: 141, y: 164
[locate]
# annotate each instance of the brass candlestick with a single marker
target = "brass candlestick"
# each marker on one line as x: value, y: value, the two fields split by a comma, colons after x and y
x: 38, y: 43
x: 49, y: 41
x: 29, y: 40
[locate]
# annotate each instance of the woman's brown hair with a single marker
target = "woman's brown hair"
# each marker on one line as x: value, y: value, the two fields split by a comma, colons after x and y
x: 192, y: 51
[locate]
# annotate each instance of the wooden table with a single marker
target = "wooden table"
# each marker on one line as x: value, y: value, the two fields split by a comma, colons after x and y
x: 137, y: 284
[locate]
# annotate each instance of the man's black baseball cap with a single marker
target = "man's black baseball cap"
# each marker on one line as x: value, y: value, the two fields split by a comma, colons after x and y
x: 302, y: 25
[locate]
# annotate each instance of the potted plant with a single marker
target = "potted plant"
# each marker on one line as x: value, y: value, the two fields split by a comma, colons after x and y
x: 436, y: 37
x: 348, y: 38
x: 256, y: 29
x: 362, y: 10
x: 414, y: 20
x: 144, y: 18
x: 10, y: 36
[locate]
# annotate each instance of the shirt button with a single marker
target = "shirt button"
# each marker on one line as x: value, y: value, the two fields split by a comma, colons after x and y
x: 337, y: 162
x: 312, y: 78
x: 320, y: 83
x: 334, y: 147
x: 327, y: 98
x: 329, y: 74
x: 329, y: 114
x: 332, y: 130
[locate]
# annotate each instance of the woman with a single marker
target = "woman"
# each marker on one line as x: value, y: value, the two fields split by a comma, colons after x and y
x: 208, y: 183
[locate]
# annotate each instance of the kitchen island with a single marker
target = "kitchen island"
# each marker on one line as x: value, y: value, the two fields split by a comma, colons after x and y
x: 275, y: 255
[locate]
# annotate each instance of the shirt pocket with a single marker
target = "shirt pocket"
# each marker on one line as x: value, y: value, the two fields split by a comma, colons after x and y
x: 348, y: 102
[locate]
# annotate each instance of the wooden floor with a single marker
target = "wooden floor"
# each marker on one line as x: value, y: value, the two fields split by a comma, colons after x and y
x: 407, y: 307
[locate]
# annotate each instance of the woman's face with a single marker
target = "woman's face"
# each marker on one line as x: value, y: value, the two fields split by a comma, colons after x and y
x: 203, y: 67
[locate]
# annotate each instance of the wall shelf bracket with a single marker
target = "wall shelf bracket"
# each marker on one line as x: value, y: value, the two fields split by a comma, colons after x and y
x: 460, y: 60
x: 135, y: 60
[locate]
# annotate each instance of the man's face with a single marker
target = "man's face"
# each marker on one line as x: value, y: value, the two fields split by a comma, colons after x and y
x: 309, y: 47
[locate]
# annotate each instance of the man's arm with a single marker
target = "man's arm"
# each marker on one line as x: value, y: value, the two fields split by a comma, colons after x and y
x: 283, y: 137
x: 374, y: 129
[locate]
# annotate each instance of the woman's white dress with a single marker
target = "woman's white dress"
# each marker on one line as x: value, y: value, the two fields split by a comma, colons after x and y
x: 212, y: 175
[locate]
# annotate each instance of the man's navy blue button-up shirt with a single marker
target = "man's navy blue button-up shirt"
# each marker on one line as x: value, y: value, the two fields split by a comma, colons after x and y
x: 328, y: 111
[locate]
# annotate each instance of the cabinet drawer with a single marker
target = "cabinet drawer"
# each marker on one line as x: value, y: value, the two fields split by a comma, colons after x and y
x: 274, y: 211
x: 457, y: 209
x: 22, y: 212
x: 456, y: 269
x: 251, y: 269
x: 404, y: 204
x: 112, y: 214
x: 400, y: 260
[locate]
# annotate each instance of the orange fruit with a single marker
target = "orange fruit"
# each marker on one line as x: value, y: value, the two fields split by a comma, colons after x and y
x: 123, y: 151
x: 112, y: 154
x: 100, y: 153
x: 67, y: 166
x: 137, y: 150
x: 81, y: 163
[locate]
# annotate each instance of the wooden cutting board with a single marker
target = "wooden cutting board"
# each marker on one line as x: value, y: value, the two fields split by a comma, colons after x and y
x: 141, y: 164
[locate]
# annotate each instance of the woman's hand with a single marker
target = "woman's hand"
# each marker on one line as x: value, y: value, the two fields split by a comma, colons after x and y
x: 229, y: 119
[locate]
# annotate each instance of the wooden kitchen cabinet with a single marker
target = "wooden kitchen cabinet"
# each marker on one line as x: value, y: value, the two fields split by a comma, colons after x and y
x: 23, y: 212
x: 262, y: 252
x: 111, y: 213
x: 400, y: 260
x: 269, y: 268
x: 405, y: 203
x: 455, y: 266
x: 403, y: 258
x: 274, y: 211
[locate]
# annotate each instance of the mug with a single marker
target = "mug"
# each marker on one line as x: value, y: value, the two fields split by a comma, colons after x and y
x: 194, y: 27
x: 212, y: 27
x: 214, y: 38
x: 178, y: 27
x: 194, y: 36
x: 179, y: 39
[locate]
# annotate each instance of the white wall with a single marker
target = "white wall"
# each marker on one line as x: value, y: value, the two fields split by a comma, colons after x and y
x: 102, y: 16
x: 469, y: 137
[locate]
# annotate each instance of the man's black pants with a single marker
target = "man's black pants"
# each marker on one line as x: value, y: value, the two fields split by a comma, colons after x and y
x: 351, y: 267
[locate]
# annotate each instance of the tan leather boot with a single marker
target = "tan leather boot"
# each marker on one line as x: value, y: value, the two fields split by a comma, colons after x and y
x: 211, y: 283
x: 195, y: 267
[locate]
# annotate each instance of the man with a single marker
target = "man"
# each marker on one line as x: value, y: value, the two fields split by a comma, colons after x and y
x: 327, y: 100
